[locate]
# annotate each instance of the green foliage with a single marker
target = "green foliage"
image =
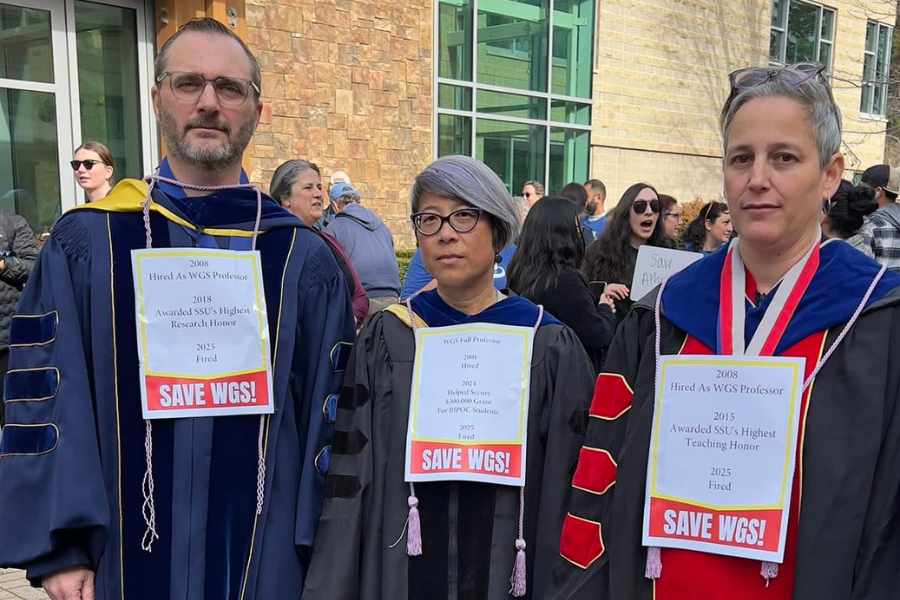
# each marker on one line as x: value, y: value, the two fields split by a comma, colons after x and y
x: 403, y: 259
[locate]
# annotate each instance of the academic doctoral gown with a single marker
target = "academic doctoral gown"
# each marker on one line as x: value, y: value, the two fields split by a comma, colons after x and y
x: 72, y: 457
x: 843, y: 536
x: 469, y: 529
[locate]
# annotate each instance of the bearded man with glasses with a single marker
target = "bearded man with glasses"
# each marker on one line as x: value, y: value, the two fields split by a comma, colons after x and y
x: 96, y: 501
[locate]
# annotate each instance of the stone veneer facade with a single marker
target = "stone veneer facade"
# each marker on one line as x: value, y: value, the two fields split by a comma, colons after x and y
x: 348, y: 85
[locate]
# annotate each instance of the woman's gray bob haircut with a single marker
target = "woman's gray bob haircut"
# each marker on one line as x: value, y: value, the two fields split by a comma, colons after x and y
x: 466, y: 179
x: 823, y: 115
x: 286, y: 176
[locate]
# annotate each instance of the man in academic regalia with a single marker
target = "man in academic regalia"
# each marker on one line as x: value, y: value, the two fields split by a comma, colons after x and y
x: 232, y: 506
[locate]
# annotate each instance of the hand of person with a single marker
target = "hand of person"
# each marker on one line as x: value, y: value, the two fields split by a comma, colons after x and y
x: 74, y: 583
x: 607, y: 300
x: 618, y: 291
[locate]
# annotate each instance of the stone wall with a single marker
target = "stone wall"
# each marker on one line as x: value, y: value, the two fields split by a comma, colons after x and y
x: 347, y: 84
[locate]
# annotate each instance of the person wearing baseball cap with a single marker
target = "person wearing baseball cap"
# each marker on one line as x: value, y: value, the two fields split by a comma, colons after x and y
x: 882, y: 231
x: 369, y: 244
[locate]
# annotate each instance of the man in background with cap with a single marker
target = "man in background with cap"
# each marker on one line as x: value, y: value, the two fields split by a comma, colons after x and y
x: 882, y: 230
x: 329, y: 212
x: 369, y: 244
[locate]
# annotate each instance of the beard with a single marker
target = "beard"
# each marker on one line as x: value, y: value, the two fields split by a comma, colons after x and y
x: 205, y: 158
x: 590, y: 207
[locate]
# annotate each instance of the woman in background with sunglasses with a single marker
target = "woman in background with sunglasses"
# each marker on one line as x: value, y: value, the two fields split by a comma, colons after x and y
x: 710, y: 230
x: 816, y: 457
x: 635, y: 221
x: 94, y: 167
x: 380, y: 538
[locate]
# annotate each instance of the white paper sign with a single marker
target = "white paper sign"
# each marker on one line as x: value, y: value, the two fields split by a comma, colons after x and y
x: 722, y: 454
x: 203, y: 334
x: 656, y: 264
x: 468, y: 417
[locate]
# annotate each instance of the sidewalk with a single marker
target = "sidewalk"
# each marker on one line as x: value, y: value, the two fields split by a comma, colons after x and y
x: 13, y: 586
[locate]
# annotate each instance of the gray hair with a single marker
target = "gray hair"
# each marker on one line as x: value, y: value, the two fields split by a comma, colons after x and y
x: 208, y: 26
x: 823, y: 114
x: 286, y: 176
x: 521, y: 205
x: 345, y: 199
x: 538, y: 187
x: 468, y: 180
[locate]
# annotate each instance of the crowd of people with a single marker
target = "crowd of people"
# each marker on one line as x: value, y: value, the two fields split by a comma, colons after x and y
x: 218, y: 393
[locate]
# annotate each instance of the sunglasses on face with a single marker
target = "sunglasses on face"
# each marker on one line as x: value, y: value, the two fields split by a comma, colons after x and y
x: 88, y: 164
x: 640, y: 206
x: 461, y: 221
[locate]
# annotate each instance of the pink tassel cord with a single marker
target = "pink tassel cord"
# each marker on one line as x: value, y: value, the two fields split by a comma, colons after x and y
x: 414, y: 536
x: 769, y: 571
x: 517, y: 581
x: 654, y: 563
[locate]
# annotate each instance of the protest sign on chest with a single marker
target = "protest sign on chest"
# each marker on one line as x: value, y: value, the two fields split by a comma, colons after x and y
x: 203, y: 335
x: 468, y: 417
x: 722, y: 453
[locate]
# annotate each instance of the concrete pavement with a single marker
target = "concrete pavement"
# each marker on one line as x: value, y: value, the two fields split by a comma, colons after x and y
x: 13, y: 586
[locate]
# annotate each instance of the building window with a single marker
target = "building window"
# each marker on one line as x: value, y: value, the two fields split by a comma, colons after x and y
x: 876, y: 67
x: 801, y: 31
x: 514, y: 87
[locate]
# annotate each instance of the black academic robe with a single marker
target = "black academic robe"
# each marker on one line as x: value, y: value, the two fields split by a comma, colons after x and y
x: 468, y: 529
x: 843, y: 537
x: 72, y: 456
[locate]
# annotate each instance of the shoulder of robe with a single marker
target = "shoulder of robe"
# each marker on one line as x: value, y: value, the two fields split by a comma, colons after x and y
x: 127, y: 196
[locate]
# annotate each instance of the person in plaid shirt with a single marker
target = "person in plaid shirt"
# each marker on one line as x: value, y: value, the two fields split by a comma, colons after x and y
x: 882, y: 230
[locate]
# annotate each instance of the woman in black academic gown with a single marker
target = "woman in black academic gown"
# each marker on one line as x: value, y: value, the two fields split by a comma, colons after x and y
x: 836, y: 309
x: 545, y: 269
x: 378, y: 538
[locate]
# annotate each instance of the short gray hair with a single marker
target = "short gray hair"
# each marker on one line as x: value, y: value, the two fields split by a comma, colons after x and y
x: 345, y: 199
x: 823, y: 114
x: 468, y: 180
x: 286, y: 176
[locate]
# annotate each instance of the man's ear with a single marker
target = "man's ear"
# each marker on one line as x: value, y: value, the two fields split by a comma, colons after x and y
x: 154, y: 97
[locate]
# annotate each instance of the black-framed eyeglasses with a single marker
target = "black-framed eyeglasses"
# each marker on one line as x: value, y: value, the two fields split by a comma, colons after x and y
x: 796, y: 74
x: 640, y: 206
x: 88, y: 164
x: 189, y: 87
x: 674, y: 214
x: 463, y: 220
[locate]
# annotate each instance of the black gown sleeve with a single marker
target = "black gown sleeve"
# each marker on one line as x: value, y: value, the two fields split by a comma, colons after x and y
x: 582, y: 571
x: 335, y: 572
x: 877, y: 569
x: 568, y: 380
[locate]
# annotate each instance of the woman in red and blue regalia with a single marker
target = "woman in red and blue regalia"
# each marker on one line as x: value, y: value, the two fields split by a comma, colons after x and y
x: 785, y: 290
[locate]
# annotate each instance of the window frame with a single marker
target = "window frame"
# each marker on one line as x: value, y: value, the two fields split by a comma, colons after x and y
x: 474, y: 116
x: 820, y: 41
x: 871, y: 84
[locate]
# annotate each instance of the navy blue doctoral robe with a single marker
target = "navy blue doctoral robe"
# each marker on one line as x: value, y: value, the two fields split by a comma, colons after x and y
x: 72, y: 457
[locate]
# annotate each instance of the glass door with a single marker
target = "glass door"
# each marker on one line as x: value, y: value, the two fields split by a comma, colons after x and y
x: 35, y: 123
x: 71, y: 71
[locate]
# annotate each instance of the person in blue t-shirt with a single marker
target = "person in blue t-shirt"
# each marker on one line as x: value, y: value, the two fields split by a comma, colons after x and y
x: 418, y: 279
x: 594, y: 213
